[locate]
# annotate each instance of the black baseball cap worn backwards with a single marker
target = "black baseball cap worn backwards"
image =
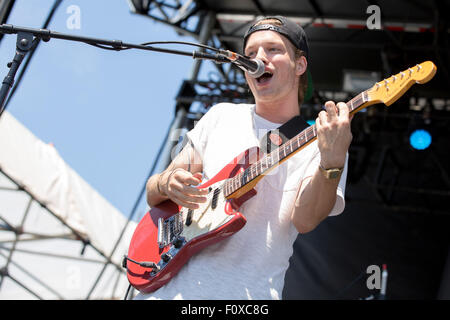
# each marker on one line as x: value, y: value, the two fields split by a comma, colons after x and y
x: 288, y: 28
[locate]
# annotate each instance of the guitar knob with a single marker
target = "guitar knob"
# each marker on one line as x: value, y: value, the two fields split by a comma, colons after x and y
x: 178, y: 243
x: 166, y: 257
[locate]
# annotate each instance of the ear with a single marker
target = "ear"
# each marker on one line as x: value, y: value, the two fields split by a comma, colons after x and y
x: 301, y: 65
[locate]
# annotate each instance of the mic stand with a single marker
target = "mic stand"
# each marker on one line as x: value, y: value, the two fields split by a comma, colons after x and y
x: 24, y: 43
x: 27, y: 37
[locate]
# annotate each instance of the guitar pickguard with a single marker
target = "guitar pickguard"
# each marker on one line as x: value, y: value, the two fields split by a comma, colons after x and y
x: 207, y: 217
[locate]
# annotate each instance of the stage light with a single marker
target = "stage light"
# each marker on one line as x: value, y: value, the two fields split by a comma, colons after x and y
x: 420, y: 139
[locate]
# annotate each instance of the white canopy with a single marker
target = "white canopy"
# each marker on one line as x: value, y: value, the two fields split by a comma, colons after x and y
x: 45, y: 260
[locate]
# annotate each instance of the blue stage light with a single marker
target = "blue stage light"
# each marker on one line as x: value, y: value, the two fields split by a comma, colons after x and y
x: 420, y: 139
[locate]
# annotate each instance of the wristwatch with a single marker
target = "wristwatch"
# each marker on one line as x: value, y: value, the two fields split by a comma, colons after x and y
x: 332, y: 173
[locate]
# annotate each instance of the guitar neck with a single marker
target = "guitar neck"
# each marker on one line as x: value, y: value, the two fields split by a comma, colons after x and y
x: 288, y: 149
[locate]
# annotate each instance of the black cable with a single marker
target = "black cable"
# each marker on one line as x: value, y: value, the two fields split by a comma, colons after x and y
x: 156, y: 42
x: 128, y: 292
x: 106, y: 48
x: 183, y: 42
x: 144, y: 264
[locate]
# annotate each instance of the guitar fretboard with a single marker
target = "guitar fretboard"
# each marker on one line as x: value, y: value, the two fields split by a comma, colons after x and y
x: 277, y: 156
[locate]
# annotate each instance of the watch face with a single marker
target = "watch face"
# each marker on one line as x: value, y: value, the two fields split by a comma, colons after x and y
x: 331, y: 173
x: 334, y: 174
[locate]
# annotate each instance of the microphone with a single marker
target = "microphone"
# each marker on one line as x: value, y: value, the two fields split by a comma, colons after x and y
x: 254, y: 67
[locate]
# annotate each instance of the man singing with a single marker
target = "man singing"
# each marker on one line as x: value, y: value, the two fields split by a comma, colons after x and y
x: 292, y: 199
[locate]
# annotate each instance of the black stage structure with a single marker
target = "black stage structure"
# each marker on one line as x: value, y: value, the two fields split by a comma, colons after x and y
x: 397, y: 210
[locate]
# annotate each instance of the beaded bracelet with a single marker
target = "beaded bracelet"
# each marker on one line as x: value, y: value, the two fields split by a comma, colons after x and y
x: 157, y: 184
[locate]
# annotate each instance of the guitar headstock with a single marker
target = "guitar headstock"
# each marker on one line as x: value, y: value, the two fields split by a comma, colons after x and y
x: 390, y: 89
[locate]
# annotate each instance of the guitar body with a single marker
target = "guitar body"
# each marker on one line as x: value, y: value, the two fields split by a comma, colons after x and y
x: 214, y: 221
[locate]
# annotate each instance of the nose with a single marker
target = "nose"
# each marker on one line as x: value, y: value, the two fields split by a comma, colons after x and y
x: 261, y: 55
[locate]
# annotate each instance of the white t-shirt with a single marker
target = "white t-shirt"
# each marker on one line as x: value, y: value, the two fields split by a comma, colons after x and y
x: 250, y: 264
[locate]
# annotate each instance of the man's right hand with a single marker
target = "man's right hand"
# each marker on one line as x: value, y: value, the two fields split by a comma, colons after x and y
x: 179, y: 186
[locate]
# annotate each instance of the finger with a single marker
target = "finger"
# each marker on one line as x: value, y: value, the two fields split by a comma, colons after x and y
x: 199, y: 176
x: 323, y: 118
x: 192, y: 179
x: 180, y: 182
x: 185, y: 177
x: 331, y: 110
x: 317, y: 122
x: 187, y: 199
x: 195, y: 191
x: 187, y: 192
x: 175, y: 193
x: 343, y: 110
x: 186, y: 204
x: 195, y: 181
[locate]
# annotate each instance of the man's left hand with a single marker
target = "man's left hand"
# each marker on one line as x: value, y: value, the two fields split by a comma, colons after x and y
x: 334, y: 134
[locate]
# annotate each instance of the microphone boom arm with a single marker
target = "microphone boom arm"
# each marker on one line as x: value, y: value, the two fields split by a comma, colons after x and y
x: 28, y: 37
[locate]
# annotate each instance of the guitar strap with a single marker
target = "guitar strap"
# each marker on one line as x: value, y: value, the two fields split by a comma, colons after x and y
x: 275, y: 138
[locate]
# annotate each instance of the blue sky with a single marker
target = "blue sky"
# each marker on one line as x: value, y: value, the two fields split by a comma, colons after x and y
x: 106, y: 112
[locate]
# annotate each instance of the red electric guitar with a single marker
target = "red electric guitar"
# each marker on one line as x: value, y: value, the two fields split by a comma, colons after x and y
x: 168, y: 235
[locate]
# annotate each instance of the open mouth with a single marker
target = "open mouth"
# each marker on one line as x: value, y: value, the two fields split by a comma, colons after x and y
x: 266, y: 76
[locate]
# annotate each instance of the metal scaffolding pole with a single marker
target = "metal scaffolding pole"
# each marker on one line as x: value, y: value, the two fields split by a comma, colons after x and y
x: 18, y: 230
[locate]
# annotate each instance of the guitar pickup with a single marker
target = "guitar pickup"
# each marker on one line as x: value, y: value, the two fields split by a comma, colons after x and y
x: 215, y: 198
x: 189, y: 218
